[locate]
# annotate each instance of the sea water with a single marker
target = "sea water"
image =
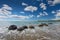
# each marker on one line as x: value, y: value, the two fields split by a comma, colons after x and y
x: 21, y: 23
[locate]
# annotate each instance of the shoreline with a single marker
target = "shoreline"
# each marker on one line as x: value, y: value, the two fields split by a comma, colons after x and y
x: 50, y: 32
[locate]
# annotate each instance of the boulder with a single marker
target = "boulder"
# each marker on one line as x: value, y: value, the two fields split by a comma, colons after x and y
x: 20, y: 29
x: 25, y: 27
x: 12, y: 27
x: 31, y: 27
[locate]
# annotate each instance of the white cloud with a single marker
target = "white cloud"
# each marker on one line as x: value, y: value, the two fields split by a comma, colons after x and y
x: 5, y: 6
x: 10, y: 16
x: 57, y: 10
x: 31, y: 16
x: 45, y: 13
x: 38, y: 15
x: 17, y: 16
x: 43, y: 6
x: 50, y: 2
x: 53, y: 12
x: 23, y: 17
x: 26, y: 17
x: 3, y: 17
x: 22, y: 12
x: 24, y: 4
x: 13, y: 16
x: 42, y: 14
x: 31, y: 8
x: 5, y: 10
x: 57, y: 15
x: 53, y: 2
x: 56, y: 1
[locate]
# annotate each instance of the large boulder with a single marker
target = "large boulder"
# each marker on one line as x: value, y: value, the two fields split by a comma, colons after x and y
x: 12, y: 27
x: 20, y: 29
x: 43, y: 24
x: 50, y: 23
x: 25, y: 27
x: 31, y: 27
x: 40, y: 25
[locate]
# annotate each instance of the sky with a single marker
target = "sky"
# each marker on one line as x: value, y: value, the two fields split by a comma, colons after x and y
x: 29, y: 10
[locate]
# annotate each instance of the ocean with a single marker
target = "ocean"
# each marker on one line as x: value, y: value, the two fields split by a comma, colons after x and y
x: 21, y: 23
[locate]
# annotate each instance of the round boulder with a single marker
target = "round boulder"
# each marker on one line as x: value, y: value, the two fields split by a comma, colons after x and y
x: 20, y: 29
x: 40, y: 25
x: 25, y: 27
x: 12, y: 27
x: 31, y: 27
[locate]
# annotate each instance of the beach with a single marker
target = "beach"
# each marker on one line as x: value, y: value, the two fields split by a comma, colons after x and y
x: 51, y: 31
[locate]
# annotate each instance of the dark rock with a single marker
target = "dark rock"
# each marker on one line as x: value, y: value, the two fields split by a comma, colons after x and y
x: 12, y: 27
x: 50, y: 23
x: 46, y: 24
x: 43, y: 24
x: 25, y: 27
x: 31, y: 27
x: 40, y: 25
x: 20, y: 29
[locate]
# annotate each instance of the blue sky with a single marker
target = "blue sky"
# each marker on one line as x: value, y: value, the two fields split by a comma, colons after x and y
x: 29, y: 9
